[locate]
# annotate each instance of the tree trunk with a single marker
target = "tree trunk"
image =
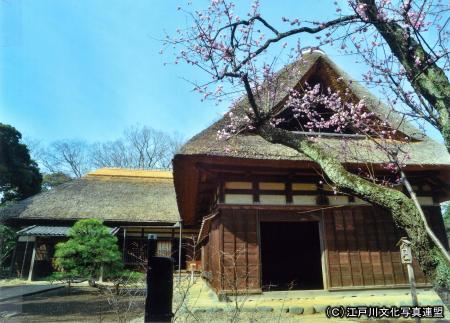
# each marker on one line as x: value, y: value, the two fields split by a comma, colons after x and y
x: 427, y: 78
x: 402, y: 208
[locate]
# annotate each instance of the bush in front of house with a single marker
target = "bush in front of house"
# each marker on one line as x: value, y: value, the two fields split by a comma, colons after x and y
x: 7, y: 243
x: 91, y: 252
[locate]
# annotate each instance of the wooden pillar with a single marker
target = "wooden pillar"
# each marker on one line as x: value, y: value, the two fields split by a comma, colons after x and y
x: 142, y: 244
x: 412, y: 282
x: 407, y: 259
x: 221, y: 191
x: 172, y: 241
x: 33, y: 256
x: 180, y: 241
x: 13, y: 258
x: 124, y: 244
x: 288, y: 189
x: 24, y: 257
x: 323, y: 252
x: 255, y: 191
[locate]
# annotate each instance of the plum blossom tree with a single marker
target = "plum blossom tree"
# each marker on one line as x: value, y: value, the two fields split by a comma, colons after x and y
x: 402, y: 43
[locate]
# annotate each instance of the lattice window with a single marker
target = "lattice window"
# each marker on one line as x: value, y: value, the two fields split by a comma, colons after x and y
x: 164, y: 248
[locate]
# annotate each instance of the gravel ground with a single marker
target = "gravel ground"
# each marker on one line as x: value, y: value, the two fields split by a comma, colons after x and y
x: 86, y: 304
x: 77, y: 304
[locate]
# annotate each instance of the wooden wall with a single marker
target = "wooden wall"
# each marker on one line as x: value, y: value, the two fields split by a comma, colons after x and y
x: 359, y: 246
x: 241, y: 249
x: 231, y: 256
x: 211, y: 255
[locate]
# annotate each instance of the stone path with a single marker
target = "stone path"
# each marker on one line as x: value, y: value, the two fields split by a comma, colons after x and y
x: 285, y: 306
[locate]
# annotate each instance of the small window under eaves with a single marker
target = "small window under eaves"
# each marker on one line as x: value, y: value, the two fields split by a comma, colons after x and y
x: 299, y: 123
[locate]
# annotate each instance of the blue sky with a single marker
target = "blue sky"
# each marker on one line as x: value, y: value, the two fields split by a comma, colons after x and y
x: 87, y: 69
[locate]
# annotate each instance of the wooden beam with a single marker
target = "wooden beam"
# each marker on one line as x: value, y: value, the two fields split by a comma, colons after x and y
x: 283, y: 192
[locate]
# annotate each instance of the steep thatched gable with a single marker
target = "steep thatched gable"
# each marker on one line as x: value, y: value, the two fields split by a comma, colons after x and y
x: 422, y: 149
x: 114, y: 195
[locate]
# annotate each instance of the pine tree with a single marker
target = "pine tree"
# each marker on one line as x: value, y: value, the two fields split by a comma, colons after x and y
x: 90, y: 252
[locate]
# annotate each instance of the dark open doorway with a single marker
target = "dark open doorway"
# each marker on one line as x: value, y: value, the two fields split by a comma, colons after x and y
x: 291, y: 256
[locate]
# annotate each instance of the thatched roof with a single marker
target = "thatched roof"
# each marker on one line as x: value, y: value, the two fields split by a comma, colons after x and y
x: 422, y: 149
x: 110, y: 194
x: 249, y: 150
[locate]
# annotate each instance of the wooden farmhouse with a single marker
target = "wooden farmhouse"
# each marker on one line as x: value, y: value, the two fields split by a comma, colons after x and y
x: 133, y: 203
x: 269, y: 220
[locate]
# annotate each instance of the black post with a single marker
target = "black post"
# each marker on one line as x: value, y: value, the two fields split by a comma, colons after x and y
x: 151, y: 246
x: 158, y: 304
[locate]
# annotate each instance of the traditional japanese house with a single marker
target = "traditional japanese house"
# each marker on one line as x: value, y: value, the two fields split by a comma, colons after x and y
x: 269, y: 220
x: 133, y: 203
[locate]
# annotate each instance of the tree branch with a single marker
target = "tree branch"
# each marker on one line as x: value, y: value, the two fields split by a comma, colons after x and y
x: 428, y: 80
x: 280, y: 36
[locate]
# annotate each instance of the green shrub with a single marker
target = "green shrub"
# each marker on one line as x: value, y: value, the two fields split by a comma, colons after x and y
x: 8, y: 241
x: 90, y: 249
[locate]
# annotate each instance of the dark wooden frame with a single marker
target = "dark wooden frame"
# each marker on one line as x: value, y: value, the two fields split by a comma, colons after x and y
x: 294, y: 218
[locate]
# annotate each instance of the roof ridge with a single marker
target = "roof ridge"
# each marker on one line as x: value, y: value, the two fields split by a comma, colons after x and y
x: 130, y: 173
